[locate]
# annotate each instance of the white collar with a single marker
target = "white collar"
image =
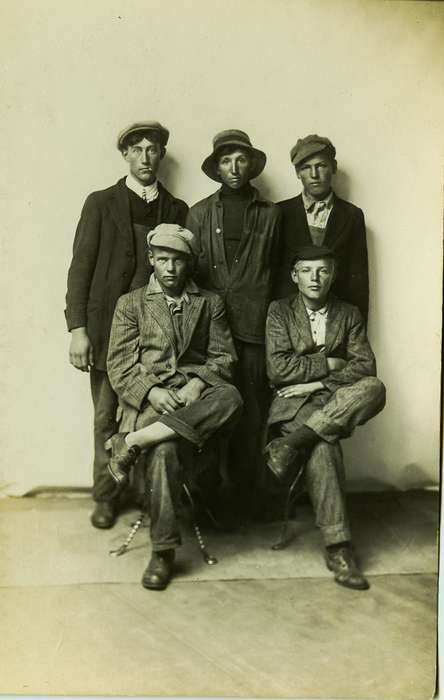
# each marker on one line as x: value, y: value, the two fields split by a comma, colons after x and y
x: 152, y: 191
x: 309, y: 201
x: 322, y: 312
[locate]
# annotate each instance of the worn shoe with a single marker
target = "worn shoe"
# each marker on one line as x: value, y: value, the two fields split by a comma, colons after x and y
x: 157, y: 574
x: 284, y: 461
x: 122, y: 457
x: 342, y: 562
x: 104, y: 515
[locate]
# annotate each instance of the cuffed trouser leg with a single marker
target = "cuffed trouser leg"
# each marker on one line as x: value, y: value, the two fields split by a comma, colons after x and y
x: 164, y: 484
x: 348, y: 407
x: 324, y: 477
x: 217, y: 408
x: 105, y: 425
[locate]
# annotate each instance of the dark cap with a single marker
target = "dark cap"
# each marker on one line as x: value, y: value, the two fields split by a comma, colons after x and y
x: 313, y: 252
x: 309, y: 146
x: 235, y: 138
x: 162, y: 132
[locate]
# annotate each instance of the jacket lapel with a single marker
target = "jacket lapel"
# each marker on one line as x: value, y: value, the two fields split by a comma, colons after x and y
x: 301, y: 322
x: 120, y: 210
x: 191, y: 313
x: 334, y: 317
x: 161, y: 314
x: 166, y: 211
x: 336, y: 223
x: 300, y: 223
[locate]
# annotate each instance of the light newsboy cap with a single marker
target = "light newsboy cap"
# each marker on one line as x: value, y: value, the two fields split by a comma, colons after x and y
x: 171, y: 236
x: 233, y: 137
x: 162, y: 132
x: 309, y: 146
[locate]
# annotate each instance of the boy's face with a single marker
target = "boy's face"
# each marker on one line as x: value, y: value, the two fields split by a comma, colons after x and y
x: 144, y: 159
x: 171, y: 269
x: 316, y: 174
x: 314, y: 279
x: 234, y: 168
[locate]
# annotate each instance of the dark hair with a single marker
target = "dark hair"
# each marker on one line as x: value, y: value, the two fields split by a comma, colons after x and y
x: 136, y: 136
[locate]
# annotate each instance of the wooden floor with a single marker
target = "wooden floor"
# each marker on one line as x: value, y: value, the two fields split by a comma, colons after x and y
x: 210, y: 634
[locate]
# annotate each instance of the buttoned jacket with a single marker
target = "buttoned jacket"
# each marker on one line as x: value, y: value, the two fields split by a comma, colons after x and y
x: 246, y: 288
x: 293, y: 358
x: 345, y: 235
x: 143, y: 350
x: 104, y: 260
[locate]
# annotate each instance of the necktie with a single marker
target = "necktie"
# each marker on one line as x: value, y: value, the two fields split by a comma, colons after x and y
x: 144, y: 197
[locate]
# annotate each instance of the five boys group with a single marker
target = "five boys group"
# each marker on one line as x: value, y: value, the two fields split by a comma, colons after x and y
x: 238, y: 320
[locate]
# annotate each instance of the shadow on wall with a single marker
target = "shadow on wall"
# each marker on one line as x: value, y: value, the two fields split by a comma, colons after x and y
x: 170, y: 173
x: 411, y: 477
x: 341, y: 184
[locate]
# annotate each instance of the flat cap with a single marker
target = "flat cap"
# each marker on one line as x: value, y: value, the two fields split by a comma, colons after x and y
x: 313, y: 252
x: 309, y: 146
x: 171, y: 236
x: 162, y: 131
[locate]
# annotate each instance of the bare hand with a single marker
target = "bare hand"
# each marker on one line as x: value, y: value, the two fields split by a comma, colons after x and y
x: 191, y: 391
x: 299, y: 389
x: 164, y: 400
x: 81, y: 353
x: 335, y: 363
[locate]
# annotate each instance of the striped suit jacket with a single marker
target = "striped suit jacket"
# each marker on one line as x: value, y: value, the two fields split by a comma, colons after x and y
x: 143, y: 350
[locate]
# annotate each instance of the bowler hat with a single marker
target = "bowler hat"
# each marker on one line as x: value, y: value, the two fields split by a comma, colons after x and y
x: 162, y: 132
x: 171, y: 236
x: 309, y: 146
x: 235, y: 138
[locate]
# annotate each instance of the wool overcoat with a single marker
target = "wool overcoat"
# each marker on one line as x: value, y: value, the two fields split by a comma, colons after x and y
x: 104, y: 260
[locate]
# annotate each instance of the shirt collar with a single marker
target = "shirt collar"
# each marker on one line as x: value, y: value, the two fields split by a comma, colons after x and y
x: 309, y: 201
x: 155, y: 288
x: 152, y: 191
x: 321, y: 312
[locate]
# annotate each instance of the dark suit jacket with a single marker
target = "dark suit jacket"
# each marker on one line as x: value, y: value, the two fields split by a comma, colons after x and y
x: 345, y: 235
x: 292, y: 357
x: 143, y: 350
x: 104, y: 260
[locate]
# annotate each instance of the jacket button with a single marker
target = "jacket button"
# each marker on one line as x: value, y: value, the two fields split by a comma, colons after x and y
x: 214, y: 267
x: 129, y: 253
x: 124, y: 274
x: 218, y: 230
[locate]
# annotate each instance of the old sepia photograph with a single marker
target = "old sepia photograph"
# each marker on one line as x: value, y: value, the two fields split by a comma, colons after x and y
x: 221, y: 341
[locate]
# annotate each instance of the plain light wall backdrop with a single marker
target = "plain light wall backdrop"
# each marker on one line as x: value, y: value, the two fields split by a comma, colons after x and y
x: 366, y: 74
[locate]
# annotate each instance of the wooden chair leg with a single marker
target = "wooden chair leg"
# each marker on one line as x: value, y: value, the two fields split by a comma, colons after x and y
x: 207, y: 557
x: 291, y: 497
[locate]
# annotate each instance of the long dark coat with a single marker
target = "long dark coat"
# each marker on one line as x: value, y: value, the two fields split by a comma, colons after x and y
x: 104, y: 260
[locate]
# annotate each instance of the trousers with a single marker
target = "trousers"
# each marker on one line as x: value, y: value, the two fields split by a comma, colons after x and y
x: 246, y: 444
x: 105, y: 425
x: 215, y: 413
x: 334, y: 417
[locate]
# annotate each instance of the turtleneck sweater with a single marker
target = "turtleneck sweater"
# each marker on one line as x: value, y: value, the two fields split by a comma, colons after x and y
x: 234, y: 204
